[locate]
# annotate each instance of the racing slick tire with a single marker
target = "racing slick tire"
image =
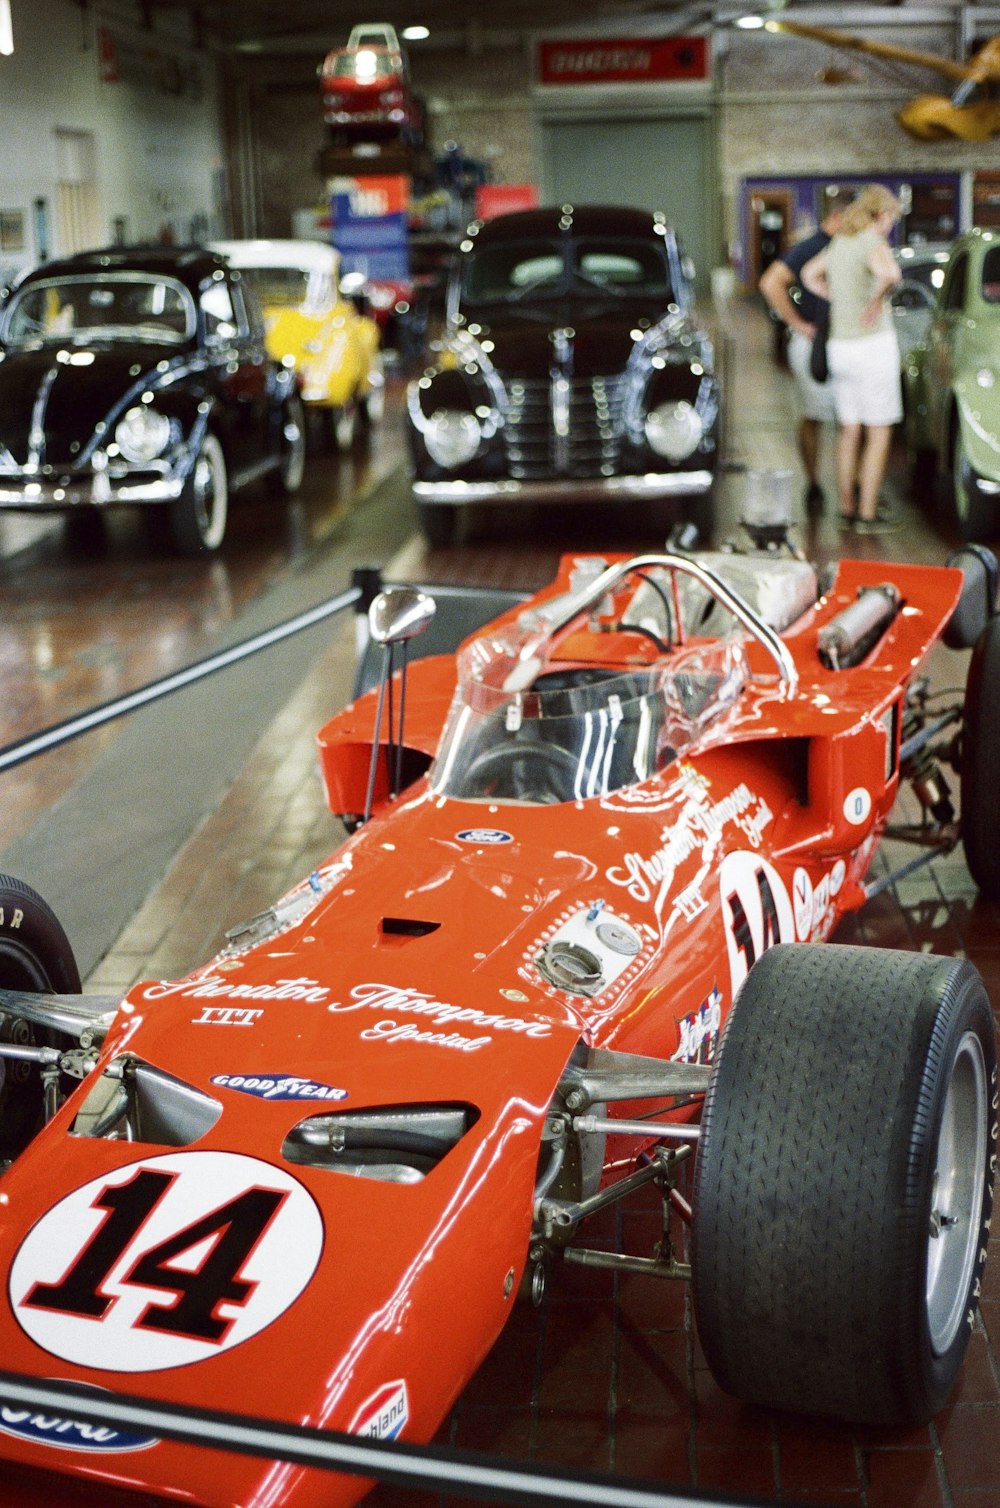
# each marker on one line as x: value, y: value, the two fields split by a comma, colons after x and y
x: 286, y: 478
x: 198, y: 516
x: 980, y: 747
x: 35, y: 955
x: 844, y: 1182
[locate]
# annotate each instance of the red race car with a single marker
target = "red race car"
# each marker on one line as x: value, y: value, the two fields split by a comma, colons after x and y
x: 310, y: 1179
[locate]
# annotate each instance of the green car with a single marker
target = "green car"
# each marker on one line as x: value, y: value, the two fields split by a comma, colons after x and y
x: 952, y: 390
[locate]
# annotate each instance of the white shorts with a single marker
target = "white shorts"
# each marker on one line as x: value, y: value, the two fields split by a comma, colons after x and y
x: 864, y: 374
x: 815, y: 398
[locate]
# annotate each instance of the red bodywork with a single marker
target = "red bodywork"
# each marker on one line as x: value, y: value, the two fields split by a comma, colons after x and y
x: 220, y: 1273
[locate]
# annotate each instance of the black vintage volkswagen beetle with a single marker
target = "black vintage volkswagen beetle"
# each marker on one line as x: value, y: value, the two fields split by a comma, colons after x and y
x: 571, y: 367
x: 141, y: 377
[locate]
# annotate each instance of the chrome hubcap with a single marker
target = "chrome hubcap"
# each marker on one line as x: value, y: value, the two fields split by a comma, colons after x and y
x: 957, y: 1196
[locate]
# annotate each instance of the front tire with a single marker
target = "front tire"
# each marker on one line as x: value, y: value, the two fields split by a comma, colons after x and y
x: 980, y: 744
x: 198, y: 517
x: 843, y: 1187
x: 286, y: 479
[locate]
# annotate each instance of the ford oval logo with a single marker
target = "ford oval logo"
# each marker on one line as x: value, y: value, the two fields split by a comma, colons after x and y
x: 484, y: 835
x: 68, y: 1434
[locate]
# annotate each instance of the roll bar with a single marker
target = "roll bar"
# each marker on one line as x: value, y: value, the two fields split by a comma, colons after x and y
x: 588, y: 596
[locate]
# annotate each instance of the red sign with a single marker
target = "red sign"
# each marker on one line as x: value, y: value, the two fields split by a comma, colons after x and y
x: 622, y: 60
x: 501, y: 198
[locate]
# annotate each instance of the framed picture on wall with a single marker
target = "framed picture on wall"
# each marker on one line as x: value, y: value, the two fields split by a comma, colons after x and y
x: 11, y: 229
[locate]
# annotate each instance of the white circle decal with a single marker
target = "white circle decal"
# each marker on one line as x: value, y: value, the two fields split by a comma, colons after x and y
x: 166, y: 1261
x: 857, y: 805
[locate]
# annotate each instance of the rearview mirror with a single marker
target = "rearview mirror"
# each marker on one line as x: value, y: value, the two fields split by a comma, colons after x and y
x: 401, y: 613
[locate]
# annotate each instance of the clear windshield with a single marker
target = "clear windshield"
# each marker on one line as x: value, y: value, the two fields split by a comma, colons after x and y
x: 109, y: 307
x: 517, y: 272
x: 575, y: 731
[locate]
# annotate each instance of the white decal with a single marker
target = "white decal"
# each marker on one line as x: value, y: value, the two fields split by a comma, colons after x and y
x: 756, y: 911
x: 648, y: 878
x: 754, y: 823
x: 213, y: 987
x: 837, y: 875
x: 802, y: 902
x: 166, y: 1261
x: 857, y: 806
x: 690, y: 902
x: 225, y: 1015
x: 410, y: 1002
x: 385, y: 1414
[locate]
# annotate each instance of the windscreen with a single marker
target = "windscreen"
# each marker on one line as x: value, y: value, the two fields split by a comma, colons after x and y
x: 517, y: 272
x: 107, y: 307
x: 578, y: 730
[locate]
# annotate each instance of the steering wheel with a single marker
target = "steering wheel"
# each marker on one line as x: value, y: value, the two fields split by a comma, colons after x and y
x: 533, y: 771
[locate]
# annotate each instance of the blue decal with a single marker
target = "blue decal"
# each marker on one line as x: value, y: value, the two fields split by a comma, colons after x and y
x: 484, y: 835
x: 69, y: 1434
x: 278, y: 1086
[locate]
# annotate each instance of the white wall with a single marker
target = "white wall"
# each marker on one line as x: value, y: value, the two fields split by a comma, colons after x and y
x: 158, y: 157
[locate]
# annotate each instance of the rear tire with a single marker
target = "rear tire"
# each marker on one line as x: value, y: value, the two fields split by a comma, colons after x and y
x: 849, y: 1117
x: 980, y: 751
x: 198, y: 516
x: 971, y: 515
x: 35, y: 955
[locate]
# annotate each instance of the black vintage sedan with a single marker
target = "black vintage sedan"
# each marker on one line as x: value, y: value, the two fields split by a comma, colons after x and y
x: 140, y: 377
x: 571, y: 368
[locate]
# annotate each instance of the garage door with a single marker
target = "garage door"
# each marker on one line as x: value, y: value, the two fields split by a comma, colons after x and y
x: 653, y: 164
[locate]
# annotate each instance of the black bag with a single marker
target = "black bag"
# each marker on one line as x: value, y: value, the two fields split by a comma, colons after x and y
x: 818, y: 366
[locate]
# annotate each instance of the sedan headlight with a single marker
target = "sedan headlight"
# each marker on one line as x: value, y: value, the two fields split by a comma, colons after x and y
x: 674, y: 430
x: 142, y: 434
x: 451, y: 437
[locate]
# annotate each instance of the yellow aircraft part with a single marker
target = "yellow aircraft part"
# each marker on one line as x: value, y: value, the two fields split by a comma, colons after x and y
x: 933, y: 117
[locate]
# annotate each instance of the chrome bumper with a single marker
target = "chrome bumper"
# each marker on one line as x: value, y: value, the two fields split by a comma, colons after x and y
x: 94, y: 491
x: 585, y: 490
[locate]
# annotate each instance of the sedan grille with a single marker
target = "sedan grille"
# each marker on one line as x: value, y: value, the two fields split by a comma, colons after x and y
x: 563, y: 427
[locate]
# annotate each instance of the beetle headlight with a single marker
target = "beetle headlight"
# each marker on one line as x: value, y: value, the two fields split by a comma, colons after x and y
x: 142, y: 434
x: 451, y: 437
x: 673, y: 430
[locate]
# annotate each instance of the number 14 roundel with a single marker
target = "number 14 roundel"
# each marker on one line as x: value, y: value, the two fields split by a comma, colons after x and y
x: 166, y: 1261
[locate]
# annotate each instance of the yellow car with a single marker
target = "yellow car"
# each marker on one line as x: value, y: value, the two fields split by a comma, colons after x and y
x: 308, y: 321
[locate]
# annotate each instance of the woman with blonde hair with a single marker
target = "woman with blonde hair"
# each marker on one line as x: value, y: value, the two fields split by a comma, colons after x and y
x: 855, y: 273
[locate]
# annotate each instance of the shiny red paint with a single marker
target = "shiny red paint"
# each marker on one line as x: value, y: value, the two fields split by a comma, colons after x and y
x: 410, y: 978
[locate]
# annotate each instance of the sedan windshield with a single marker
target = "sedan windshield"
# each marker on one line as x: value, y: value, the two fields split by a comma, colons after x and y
x: 517, y: 272
x: 103, y: 307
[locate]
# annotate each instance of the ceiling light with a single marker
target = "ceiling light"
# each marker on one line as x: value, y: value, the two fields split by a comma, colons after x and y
x: 749, y: 23
x: 6, y: 29
x: 415, y: 33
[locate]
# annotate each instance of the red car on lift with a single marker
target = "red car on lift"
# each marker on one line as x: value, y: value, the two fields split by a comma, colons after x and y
x: 365, y: 89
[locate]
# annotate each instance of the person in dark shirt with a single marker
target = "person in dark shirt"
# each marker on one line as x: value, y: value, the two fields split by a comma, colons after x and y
x: 804, y: 315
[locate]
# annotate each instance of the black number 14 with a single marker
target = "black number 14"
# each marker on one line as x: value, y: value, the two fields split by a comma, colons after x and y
x: 238, y: 1226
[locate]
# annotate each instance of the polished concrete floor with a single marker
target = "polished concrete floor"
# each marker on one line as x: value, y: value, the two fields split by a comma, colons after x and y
x: 607, y: 1375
